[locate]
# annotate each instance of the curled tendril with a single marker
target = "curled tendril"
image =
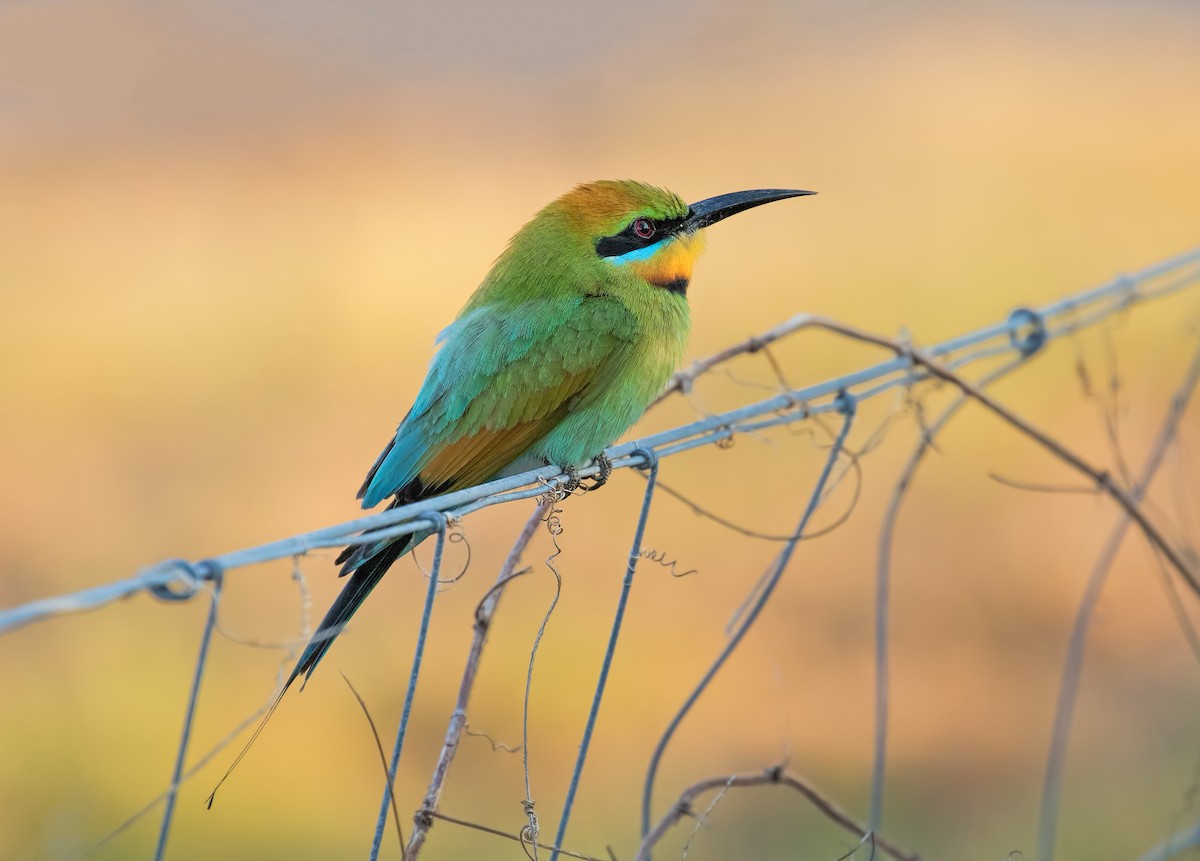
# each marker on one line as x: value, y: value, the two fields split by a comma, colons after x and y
x: 497, y: 746
x: 454, y: 535
x: 554, y: 522
x: 659, y: 557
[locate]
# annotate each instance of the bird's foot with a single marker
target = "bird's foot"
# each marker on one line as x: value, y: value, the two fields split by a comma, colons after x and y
x: 606, y: 468
x: 559, y: 489
x: 574, y: 482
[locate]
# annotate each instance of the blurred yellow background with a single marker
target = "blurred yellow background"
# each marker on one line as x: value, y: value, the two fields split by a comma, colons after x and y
x: 229, y: 232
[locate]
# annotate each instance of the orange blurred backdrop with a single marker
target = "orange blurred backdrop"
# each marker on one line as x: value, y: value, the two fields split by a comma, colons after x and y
x: 230, y: 232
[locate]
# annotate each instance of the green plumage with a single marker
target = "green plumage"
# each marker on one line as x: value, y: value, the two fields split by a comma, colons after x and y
x: 579, y: 324
x: 576, y: 328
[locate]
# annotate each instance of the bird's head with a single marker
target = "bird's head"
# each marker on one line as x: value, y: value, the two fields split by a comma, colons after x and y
x: 621, y: 234
x: 649, y: 231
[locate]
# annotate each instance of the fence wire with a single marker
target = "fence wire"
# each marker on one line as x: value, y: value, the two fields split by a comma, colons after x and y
x: 1023, y: 334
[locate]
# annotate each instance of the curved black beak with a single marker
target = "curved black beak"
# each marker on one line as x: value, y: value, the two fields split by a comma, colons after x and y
x: 713, y: 209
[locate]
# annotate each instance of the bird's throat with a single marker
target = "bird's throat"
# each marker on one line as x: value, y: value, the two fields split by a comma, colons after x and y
x: 671, y: 268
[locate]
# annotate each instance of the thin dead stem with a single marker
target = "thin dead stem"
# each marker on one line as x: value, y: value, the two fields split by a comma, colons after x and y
x: 1073, y: 663
x: 775, y: 776
x: 1101, y: 478
x: 522, y: 840
x: 883, y: 579
x: 682, y: 380
x: 362, y: 704
x: 424, y: 817
x: 529, y: 834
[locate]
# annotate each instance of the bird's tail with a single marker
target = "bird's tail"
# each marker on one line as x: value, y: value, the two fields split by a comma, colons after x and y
x: 366, y: 564
x: 366, y: 569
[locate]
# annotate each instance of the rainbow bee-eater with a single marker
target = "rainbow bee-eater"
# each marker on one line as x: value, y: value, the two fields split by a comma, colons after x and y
x: 577, y: 327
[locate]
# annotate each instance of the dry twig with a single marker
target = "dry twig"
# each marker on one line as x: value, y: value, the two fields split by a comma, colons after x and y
x: 1102, y: 478
x: 775, y: 776
x: 424, y: 817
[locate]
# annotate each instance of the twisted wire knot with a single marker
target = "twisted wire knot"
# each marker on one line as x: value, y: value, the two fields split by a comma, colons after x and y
x: 648, y: 455
x: 846, y: 403
x: 1027, y: 330
x: 185, y: 580
x: 437, y: 520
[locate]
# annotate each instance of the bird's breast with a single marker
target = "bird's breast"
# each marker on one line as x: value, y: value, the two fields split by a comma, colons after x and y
x: 662, y: 342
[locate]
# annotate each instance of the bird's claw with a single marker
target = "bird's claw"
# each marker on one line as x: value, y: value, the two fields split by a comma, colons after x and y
x: 575, y: 482
x: 606, y: 468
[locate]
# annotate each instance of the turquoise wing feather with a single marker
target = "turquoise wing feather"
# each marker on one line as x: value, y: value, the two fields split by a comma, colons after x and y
x: 504, y: 377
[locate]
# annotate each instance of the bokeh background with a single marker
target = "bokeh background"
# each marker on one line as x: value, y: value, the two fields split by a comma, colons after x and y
x: 229, y: 231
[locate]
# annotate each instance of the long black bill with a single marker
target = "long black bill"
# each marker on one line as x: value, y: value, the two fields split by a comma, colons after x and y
x: 713, y: 209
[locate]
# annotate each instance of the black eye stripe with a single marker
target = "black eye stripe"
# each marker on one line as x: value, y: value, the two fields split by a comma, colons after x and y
x: 628, y: 240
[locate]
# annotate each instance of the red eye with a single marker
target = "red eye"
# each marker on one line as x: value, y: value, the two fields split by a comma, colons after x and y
x: 643, y: 227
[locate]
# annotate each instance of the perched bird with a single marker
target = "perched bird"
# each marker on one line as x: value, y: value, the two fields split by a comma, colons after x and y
x: 579, y: 324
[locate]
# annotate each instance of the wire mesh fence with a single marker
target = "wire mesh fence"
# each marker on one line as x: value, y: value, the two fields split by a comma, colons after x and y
x: 967, y: 365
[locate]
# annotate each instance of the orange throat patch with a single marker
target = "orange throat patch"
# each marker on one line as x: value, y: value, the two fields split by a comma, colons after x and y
x: 671, y: 268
